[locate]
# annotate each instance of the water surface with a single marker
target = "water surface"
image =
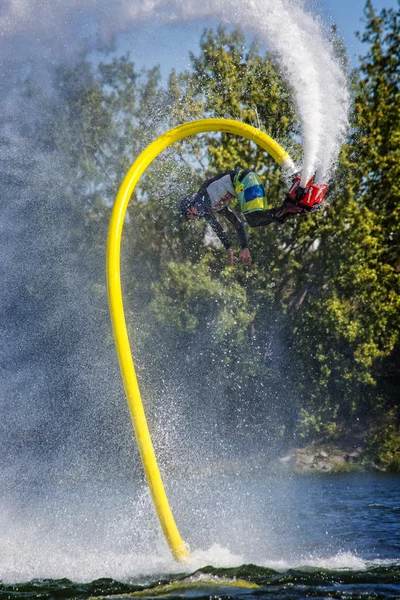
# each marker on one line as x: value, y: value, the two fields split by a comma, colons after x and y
x: 331, y: 536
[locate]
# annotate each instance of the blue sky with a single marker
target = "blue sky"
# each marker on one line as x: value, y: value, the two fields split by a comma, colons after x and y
x: 170, y: 49
x: 348, y: 15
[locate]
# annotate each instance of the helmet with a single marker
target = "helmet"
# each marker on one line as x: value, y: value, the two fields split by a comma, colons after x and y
x: 185, y: 204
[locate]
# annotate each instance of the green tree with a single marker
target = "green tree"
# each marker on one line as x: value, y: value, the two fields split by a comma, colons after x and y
x: 304, y: 335
x: 350, y: 304
x: 328, y: 286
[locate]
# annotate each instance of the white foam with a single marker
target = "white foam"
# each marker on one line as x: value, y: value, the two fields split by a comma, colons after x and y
x: 216, y: 555
x: 339, y: 561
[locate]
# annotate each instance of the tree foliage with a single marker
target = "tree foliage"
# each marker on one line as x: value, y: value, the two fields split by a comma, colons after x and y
x: 310, y: 330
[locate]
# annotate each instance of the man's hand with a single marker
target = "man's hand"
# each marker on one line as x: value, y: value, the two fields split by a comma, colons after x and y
x: 230, y: 257
x: 244, y: 256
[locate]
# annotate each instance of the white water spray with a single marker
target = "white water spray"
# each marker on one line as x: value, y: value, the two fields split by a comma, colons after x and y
x: 292, y: 33
x: 303, y: 51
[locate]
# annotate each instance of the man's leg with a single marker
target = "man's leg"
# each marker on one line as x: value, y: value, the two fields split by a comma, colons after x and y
x: 260, y: 218
x: 287, y: 209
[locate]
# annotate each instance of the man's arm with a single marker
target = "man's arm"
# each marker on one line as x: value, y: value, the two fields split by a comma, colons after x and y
x: 238, y: 225
x: 244, y: 254
x: 218, y: 229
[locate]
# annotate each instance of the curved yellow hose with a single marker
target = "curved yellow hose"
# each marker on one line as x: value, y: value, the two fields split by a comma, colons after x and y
x: 138, y: 416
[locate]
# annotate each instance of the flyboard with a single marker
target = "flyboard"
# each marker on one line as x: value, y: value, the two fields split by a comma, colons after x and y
x: 196, y: 584
x: 143, y: 438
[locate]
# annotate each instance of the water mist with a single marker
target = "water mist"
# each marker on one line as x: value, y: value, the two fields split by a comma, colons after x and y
x: 288, y: 28
x: 71, y: 481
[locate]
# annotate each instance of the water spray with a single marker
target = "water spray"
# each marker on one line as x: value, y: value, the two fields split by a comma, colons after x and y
x: 36, y: 39
x: 293, y: 34
x: 303, y: 51
x: 135, y: 404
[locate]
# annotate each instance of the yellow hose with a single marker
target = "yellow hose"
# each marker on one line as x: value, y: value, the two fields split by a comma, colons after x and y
x: 138, y: 416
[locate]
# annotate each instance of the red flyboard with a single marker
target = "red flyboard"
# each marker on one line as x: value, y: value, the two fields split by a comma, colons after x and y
x: 314, y: 193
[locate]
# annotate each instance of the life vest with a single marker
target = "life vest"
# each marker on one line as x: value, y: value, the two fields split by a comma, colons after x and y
x: 250, y: 191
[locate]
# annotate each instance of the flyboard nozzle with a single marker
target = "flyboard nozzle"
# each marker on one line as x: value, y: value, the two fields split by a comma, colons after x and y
x: 310, y: 196
x: 289, y: 169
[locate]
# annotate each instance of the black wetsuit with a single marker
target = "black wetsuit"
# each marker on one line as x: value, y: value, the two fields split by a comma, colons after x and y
x: 208, y: 207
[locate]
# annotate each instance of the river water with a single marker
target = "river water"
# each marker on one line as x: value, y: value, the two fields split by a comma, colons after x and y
x: 330, y: 536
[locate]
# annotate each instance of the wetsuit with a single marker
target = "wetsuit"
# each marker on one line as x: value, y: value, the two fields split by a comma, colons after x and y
x: 215, y: 195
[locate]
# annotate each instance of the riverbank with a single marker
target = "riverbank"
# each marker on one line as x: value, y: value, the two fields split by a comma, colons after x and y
x: 324, y: 458
x: 331, y: 458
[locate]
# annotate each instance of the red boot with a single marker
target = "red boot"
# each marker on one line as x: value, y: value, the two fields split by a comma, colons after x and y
x: 295, y: 191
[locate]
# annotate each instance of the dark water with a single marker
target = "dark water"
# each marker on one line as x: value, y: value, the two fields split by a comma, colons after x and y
x: 209, y: 582
x: 274, y: 537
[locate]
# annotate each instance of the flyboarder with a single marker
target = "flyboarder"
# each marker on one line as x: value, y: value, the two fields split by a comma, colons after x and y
x: 215, y: 195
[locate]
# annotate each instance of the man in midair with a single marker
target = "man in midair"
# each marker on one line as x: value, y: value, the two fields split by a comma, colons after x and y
x: 215, y: 195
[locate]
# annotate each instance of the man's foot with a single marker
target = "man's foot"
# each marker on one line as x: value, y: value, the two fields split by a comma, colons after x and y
x: 288, y: 208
